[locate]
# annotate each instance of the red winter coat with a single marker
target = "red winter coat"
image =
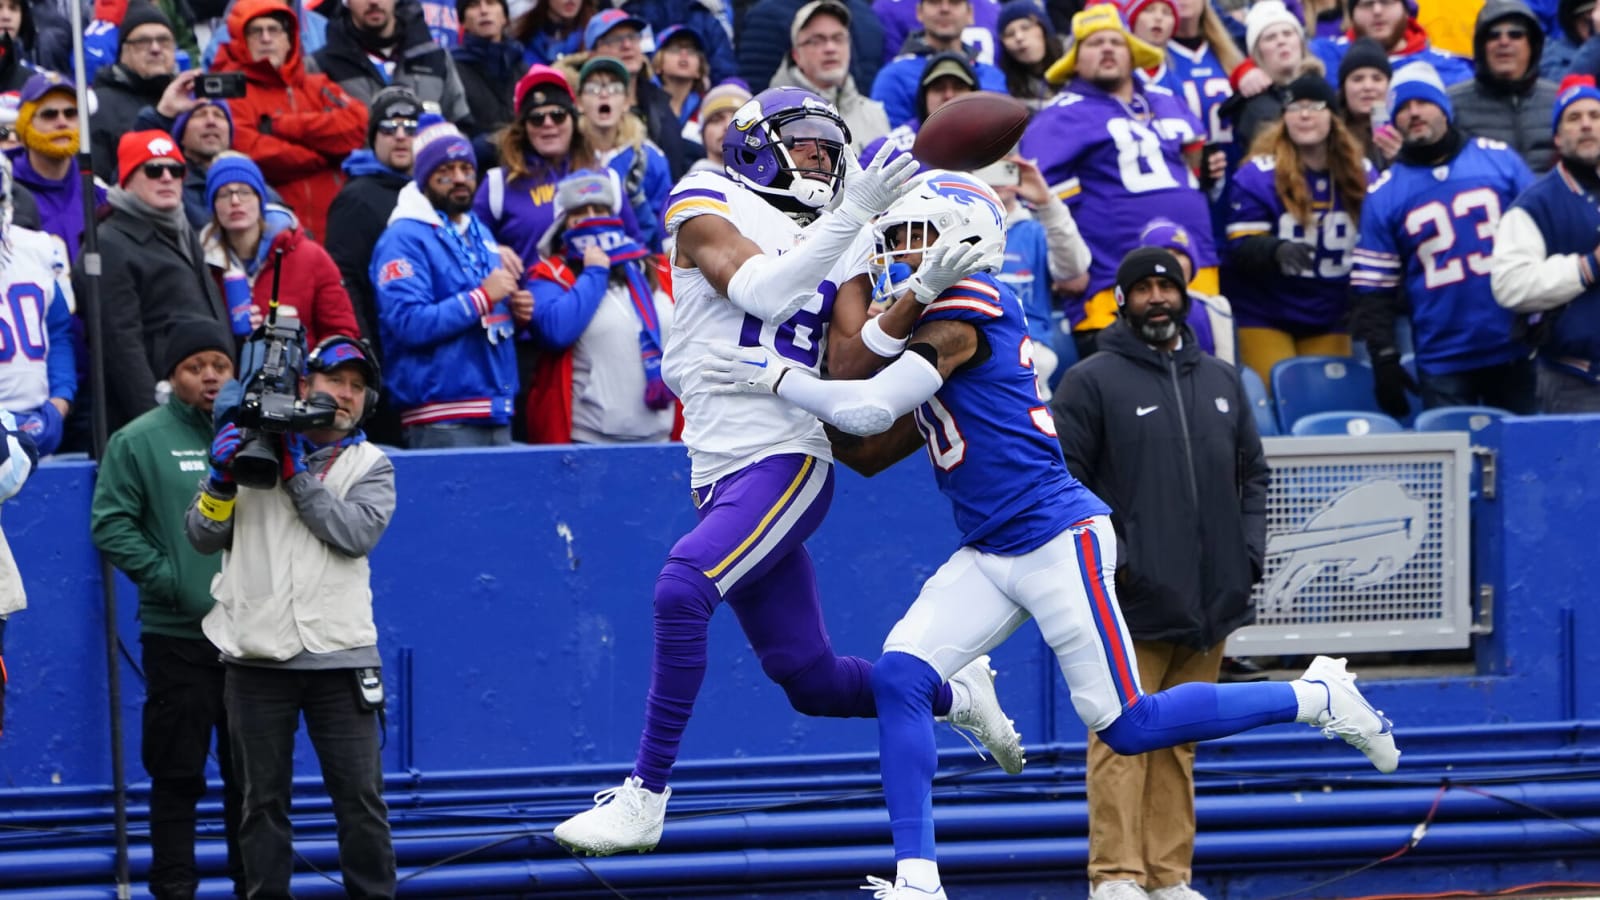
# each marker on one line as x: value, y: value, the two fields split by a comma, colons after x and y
x: 297, y: 126
x: 311, y: 285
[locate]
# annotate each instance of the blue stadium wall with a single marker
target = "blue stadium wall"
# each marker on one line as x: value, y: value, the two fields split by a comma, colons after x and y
x: 513, y: 600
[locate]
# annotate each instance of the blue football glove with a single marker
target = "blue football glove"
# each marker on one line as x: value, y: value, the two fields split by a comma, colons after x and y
x: 293, y: 457
x: 224, y: 447
x: 44, y: 425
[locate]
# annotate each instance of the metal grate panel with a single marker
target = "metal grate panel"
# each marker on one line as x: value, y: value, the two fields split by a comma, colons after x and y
x: 1367, y: 546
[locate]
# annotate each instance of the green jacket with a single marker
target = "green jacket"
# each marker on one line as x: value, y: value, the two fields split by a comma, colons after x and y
x: 147, y: 480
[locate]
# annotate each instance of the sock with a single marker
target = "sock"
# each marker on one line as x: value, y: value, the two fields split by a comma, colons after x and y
x: 1199, y: 711
x: 1313, y: 699
x: 922, y: 874
x: 960, y: 699
x: 908, y: 757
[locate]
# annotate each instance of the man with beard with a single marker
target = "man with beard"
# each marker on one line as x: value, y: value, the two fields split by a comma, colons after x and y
x: 46, y: 162
x: 1427, y: 238
x: 447, y: 306
x: 375, y: 43
x: 1120, y: 153
x: 1163, y: 434
x: 1546, y: 264
x: 1391, y: 24
x: 146, y: 63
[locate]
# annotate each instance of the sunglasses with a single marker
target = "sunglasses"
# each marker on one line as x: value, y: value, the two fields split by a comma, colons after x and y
x: 392, y: 127
x: 154, y: 171
x: 1508, y: 34
x: 52, y: 114
x: 554, y: 117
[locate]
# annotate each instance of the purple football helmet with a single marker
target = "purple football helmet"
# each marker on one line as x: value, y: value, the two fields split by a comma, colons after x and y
x: 760, y: 149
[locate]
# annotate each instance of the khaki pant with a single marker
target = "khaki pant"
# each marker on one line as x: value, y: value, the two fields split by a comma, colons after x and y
x: 1141, y: 808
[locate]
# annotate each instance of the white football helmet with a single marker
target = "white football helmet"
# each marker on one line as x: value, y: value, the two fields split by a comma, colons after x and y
x: 942, y: 209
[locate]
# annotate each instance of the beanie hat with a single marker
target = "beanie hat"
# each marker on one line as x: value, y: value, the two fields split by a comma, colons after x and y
x: 1132, y: 8
x: 729, y: 95
x: 1264, y: 15
x: 140, y: 13
x: 543, y: 86
x: 189, y: 336
x: 603, y: 64
x: 437, y: 143
x: 139, y: 147
x: 1092, y: 20
x: 234, y: 168
x: 1419, y: 81
x: 182, y: 121
x: 1312, y: 86
x: 461, y: 8
x: 1168, y: 235
x: 33, y: 92
x: 1573, y: 89
x: 1364, y: 53
x: 393, y: 102
x: 585, y: 187
x: 1148, y: 262
x: 1018, y: 9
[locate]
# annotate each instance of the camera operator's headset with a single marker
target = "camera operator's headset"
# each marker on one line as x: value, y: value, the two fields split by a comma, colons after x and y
x: 326, y: 355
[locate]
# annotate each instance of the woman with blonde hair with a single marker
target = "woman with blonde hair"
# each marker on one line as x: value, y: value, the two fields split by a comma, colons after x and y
x: 1200, y: 55
x: 1293, y: 211
x: 619, y: 141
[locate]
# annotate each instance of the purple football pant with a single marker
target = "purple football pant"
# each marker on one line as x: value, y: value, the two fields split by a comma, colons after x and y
x: 749, y: 550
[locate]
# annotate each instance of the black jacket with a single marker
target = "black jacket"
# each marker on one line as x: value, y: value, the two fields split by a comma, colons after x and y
x: 120, y: 95
x: 1186, y: 482
x: 356, y: 220
x: 150, y: 283
x: 655, y: 109
x: 423, y: 66
x: 488, y: 71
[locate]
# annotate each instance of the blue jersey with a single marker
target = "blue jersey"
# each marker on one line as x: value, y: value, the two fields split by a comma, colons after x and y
x: 1429, y: 232
x: 1198, y: 79
x: 991, y: 437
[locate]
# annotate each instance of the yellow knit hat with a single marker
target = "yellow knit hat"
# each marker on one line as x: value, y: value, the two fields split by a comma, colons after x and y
x: 1101, y: 17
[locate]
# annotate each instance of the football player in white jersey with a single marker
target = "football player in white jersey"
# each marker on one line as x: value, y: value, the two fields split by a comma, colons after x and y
x: 38, y: 372
x: 757, y: 262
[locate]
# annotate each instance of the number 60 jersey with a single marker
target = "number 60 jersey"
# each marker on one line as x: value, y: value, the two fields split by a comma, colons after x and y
x: 727, y: 432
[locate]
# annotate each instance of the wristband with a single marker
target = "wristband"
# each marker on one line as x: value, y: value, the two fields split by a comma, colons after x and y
x: 879, y: 342
x: 217, y: 509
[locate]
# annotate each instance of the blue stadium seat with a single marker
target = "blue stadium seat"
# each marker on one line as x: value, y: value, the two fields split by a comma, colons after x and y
x: 1260, y: 403
x: 1303, y: 385
x: 1471, y: 419
x: 1346, y: 421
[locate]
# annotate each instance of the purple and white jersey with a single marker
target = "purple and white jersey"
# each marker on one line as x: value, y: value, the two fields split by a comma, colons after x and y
x: 1118, y: 166
x: 1315, y: 300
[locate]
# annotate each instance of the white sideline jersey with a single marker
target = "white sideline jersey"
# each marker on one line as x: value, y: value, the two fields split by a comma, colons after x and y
x: 727, y: 432
x: 30, y: 283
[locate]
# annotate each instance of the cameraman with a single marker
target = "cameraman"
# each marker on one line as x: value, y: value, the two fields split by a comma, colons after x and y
x: 293, y: 620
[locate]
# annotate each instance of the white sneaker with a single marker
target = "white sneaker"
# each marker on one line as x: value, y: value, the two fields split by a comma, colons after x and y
x: 623, y: 818
x: 982, y: 716
x: 1118, y: 890
x: 1351, y: 717
x: 898, y: 890
x: 1176, y: 892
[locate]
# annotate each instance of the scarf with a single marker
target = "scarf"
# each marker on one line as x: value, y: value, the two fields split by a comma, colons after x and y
x: 171, y: 222
x: 626, y: 254
x: 474, y: 252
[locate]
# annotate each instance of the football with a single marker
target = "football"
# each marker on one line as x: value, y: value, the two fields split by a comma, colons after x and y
x: 971, y: 131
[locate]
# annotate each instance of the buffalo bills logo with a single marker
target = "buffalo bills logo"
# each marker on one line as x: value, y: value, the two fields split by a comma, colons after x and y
x: 971, y: 194
x: 394, y: 270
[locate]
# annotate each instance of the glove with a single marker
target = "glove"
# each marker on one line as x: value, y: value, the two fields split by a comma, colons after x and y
x: 1294, y: 258
x: 731, y: 369
x: 870, y: 191
x: 224, y: 447
x: 44, y: 425
x: 942, y: 268
x: 293, y: 457
x: 1391, y: 381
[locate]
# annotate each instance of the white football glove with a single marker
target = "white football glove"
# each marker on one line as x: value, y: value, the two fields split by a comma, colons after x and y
x: 870, y: 191
x: 942, y: 268
x: 731, y: 369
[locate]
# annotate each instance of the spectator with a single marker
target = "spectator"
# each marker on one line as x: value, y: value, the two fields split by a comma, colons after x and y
x: 487, y: 62
x: 293, y: 123
x: 40, y: 37
x: 1391, y: 24
x: 376, y: 43
x: 1028, y: 45
x: 1324, y: 18
x: 552, y: 29
x: 1546, y: 263
x: 17, y: 460
x: 716, y: 111
x: 293, y: 620
x: 1210, y: 316
x: 447, y: 306
x: 945, y: 77
x: 146, y: 64
x: 38, y: 385
x: 14, y: 75
x: 701, y: 18
x: 943, y: 22
x: 1188, y: 497
x: 1278, y: 51
x: 1506, y: 100
x: 684, y: 73
x: 46, y: 162
x: 240, y: 243
x: 1081, y: 145
x: 618, y: 140
x: 1577, y: 26
x: 1364, y: 75
x: 1200, y: 54
x: 598, y: 307
x: 766, y: 39
x: 146, y: 480
x: 160, y: 272
x: 616, y: 34
x: 1427, y: 231
x: 899, y: 18
x: 1293, y: 212
x: 102, y: 37
x: 819, y: 61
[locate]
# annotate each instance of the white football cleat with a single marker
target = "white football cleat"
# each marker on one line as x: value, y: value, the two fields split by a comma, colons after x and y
x: 623, y: 818
x: 1118, y: 890
x: 1350, y: 716
x: 1176, y: 892
x: 982, y: 716
x: 884, y: 889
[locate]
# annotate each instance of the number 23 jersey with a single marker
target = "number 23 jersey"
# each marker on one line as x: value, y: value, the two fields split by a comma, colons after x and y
x: 727, y: 432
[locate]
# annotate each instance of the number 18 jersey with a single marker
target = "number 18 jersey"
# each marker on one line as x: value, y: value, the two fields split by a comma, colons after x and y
x: 727, y: 432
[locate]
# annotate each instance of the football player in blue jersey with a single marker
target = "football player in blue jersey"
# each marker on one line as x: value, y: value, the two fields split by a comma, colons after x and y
x: 1035, y: 542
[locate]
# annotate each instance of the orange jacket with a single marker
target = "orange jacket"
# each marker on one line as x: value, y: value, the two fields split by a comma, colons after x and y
x: 297, y: 126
